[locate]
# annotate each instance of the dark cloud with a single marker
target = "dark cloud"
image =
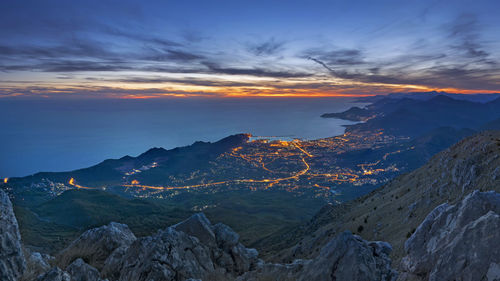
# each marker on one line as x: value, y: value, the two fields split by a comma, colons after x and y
x: 68, y: 66
x: 95, y: 92
x: 173, y: 55
x: 185, y: 81
x: 74, y: 48
x: 342, y: 57
x: 465, y: 30
x: 269, y: 47
x: 215, y: 68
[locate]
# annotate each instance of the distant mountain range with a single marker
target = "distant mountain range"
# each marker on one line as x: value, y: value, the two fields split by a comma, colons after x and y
x: 405, y: 116
x: 429, y: 95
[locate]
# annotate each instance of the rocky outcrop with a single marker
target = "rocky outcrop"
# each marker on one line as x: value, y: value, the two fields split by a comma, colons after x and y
x: 167, y: 255
x: 113, y: 263
x: 12, y: 262
x: 198, y: 226
x: 55, y: 274
x: 80, y: 271
x: 229, y: 253
x: 193, y: 248
x: 36, y: 264
x: 457, y: 242
x: 96, y: 245
x: 346, y: 257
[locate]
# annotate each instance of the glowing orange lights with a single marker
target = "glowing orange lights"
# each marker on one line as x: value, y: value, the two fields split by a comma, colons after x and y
x: 135, y: 182
x: 5, y: 180
x: 73, y: 183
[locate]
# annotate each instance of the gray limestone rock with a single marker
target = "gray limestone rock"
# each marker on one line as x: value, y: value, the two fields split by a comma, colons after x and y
x: 80, y: 271
x: 347, y: 257
x: 95, y: 245
x: 457, y: 242
x: 12, y: 262
x: 55, y: 274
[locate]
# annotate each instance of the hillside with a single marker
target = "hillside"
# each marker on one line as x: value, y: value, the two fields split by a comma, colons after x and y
x: 253, y: 214
x: 413, y: 117
x: 393, y: 212
x: 167, y: 162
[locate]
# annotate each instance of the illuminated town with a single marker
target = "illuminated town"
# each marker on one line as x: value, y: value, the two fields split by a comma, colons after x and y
x: 259, y: 163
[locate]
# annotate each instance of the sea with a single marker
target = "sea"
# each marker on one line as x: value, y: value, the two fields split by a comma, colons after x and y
x: 61, y: 135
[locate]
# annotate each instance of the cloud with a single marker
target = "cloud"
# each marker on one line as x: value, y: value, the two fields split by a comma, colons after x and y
x: 463, y: 63
x: 341, y: 57
x: 267, y: 48
x: 185, y: 81
x: 441, y: 76
x: 259, y: 72
x: 173, y: 55
x: 465, y: 31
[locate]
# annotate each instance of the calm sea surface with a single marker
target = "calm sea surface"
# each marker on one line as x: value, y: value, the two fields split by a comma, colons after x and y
x: 65, y: 135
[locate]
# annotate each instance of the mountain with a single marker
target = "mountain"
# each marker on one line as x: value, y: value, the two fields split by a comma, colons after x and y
x: 412, y: 117
x: 429, y: 95
x: 353, y: 114
x: 411, y: 154
x: 173, y: 161
x: 394, y: 211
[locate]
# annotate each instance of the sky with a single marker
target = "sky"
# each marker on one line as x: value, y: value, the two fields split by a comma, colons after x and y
x: 153, y: 49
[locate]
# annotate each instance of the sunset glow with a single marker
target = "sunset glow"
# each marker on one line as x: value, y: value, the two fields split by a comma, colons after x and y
x: 329, y: 49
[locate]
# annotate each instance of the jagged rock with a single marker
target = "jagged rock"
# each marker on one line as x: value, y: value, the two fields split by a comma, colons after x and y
x: 96, y: 245
x: 346, y: 257
x: 12, y: 262
x: 226, y: 238
x: 167, y: 255
x: 198, y: 226
x: 244, y: 258
x: 226, y: 251
x: 231, y: 254
x: 457, y: 242
x: 36, y: 264
x: 193, y: 248
x: 55, y: 274
x: 80, y: 271
x: 113, y: 262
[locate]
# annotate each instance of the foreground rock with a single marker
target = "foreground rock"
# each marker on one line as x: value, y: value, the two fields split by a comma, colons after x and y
x: 168, y: 255
x: 96, y: 245
x: 193, y: 248
x: 457, y: 242
x: 12, y: 262
x: 346, y: 257
x: 223, y: 242
x: 80, y: 271
x: 55, y: 274
x: 36, y: 264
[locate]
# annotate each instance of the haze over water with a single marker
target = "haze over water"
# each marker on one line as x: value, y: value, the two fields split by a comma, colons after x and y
x: 60, y: 135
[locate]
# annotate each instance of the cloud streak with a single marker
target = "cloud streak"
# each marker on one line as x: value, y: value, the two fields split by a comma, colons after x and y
x: 96, y: 49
